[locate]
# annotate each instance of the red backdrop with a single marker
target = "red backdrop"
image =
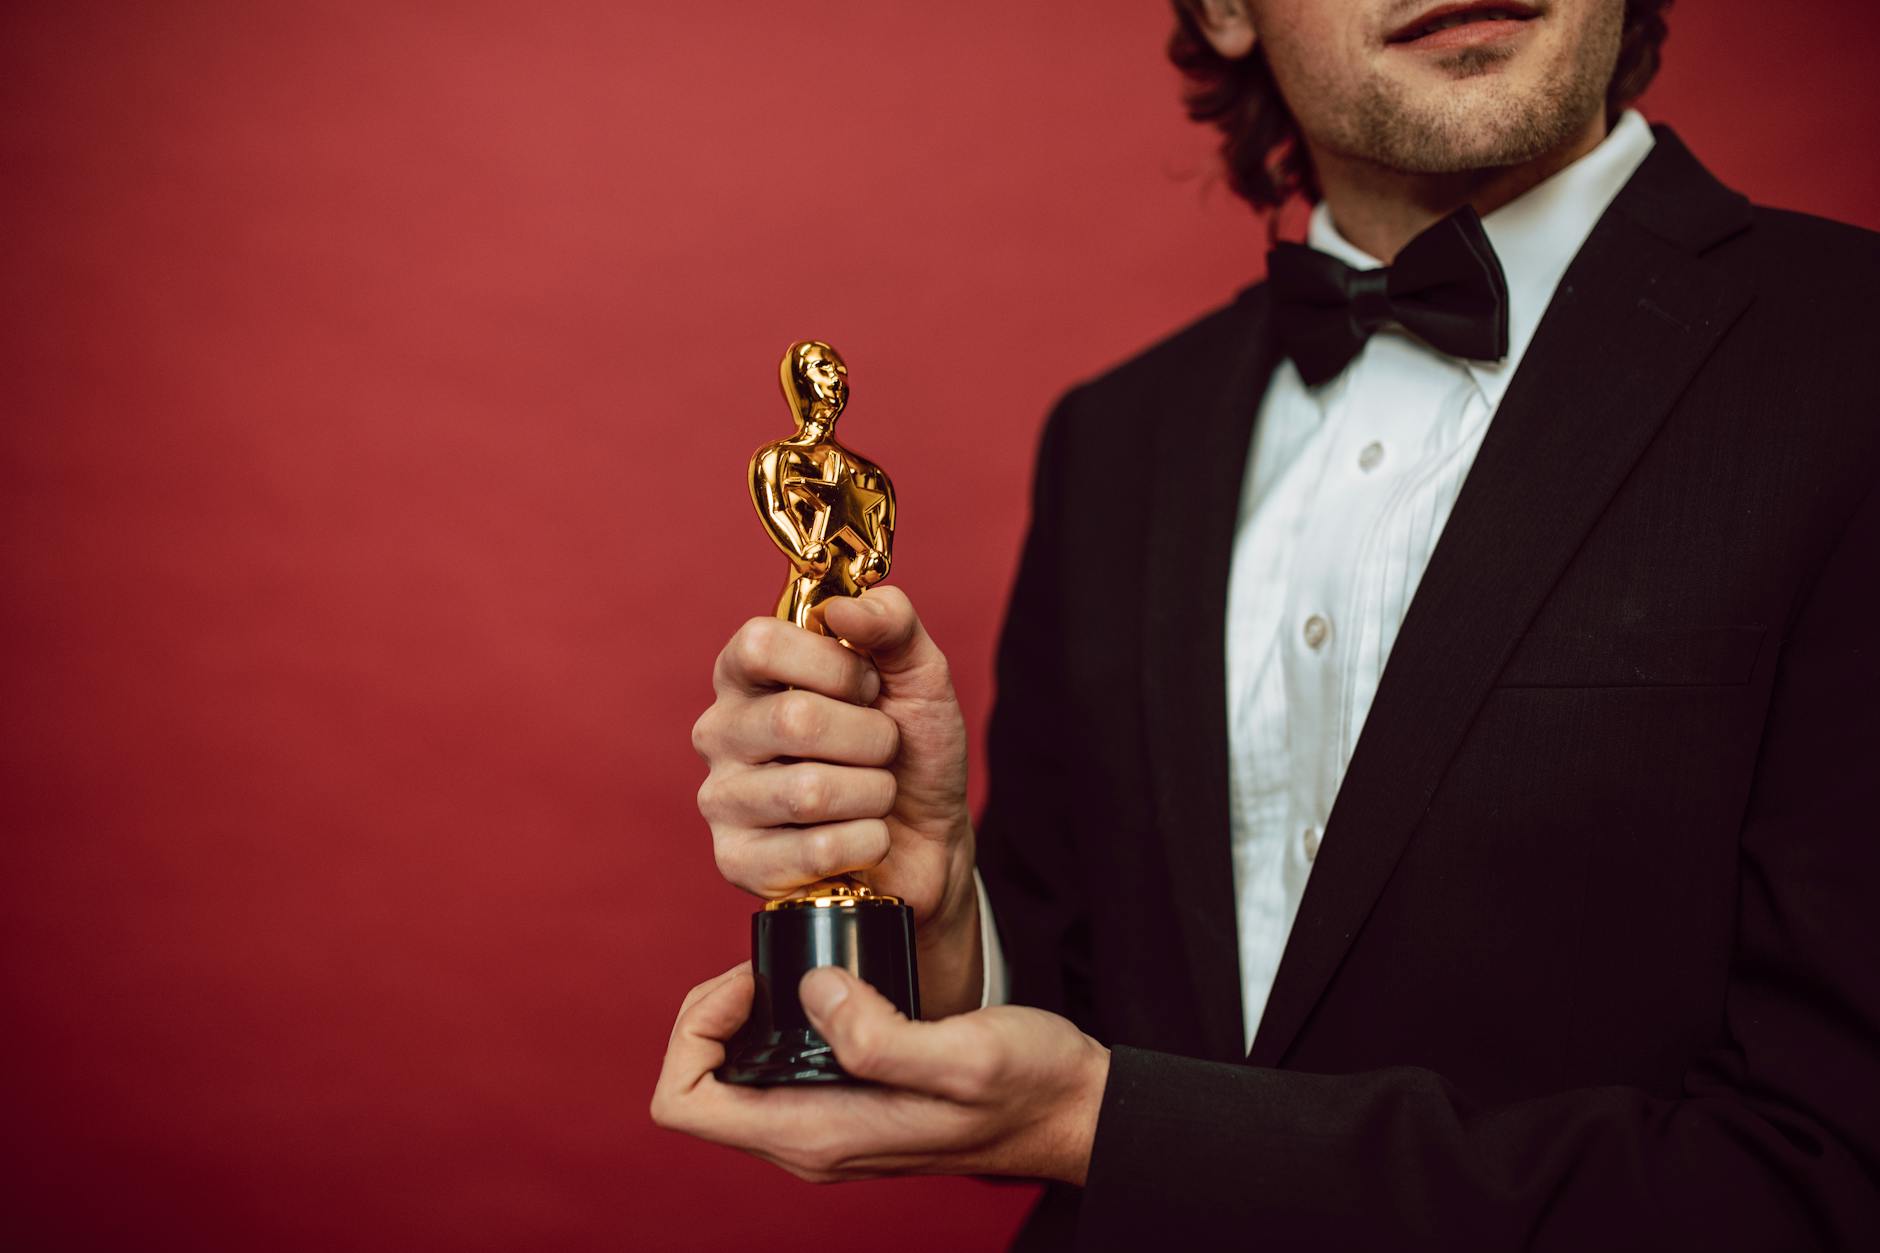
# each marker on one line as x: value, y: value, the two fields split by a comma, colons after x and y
x: 378, y: 383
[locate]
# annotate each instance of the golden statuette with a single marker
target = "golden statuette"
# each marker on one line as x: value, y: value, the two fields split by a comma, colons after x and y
x: 832, y: 514
x: 830, y: 511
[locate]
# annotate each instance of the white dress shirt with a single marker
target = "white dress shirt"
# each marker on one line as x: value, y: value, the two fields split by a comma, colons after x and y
x: 1348, y: 485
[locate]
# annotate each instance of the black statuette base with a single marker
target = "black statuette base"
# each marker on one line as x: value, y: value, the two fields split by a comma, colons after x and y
x: 872, y: 939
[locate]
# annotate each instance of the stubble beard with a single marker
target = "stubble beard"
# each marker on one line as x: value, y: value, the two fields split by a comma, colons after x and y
x: 1453, y: 132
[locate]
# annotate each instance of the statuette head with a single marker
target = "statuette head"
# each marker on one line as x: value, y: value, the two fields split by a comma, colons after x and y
x: 815, y: 382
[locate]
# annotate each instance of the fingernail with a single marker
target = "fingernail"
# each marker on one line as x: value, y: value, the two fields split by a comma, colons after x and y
x: 823, y: 989
x: 871, y: 685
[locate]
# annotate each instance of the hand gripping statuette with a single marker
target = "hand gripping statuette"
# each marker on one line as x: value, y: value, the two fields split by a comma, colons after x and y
x: 832, y: 514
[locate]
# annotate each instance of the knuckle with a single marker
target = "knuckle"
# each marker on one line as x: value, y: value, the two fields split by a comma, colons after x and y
x: 808, y: 795
x: 753, y: 648
x: 693, y: 997
x: 740, y: 863
x: 864, y: 1050
x: 711, y: 798
x: 978, y: 1072
x: 795, y: 719
x: 894, y: 599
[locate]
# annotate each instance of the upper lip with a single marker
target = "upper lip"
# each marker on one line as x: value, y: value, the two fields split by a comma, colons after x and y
x: 1409, y: 29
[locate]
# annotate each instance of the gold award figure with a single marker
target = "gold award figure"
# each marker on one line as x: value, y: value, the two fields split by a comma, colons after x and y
x: 832, y: 514
x: 830, y: 511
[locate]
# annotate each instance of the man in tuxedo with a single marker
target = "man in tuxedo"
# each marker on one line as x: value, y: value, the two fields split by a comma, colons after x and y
x: 1471, y: 841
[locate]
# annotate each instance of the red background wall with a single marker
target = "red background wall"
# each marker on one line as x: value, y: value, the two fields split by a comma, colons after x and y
x: 378, y: 382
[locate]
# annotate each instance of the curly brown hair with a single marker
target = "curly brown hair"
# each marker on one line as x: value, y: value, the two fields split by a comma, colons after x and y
x: 1260, y: 142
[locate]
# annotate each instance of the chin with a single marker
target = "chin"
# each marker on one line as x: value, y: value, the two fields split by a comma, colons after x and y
x: 1479, y: 122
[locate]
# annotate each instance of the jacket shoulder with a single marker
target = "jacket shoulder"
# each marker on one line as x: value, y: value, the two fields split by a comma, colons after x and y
x: 1808, y: 261
x: 1791, y: 229
x: 1807, y: 328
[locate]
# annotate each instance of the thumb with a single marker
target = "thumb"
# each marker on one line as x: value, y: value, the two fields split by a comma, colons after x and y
x: 882, y: 622
x: 871, y: 1038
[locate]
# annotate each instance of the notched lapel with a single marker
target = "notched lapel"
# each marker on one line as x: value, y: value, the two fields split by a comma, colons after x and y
x: 1201, y: 441
x: 1636, y: 314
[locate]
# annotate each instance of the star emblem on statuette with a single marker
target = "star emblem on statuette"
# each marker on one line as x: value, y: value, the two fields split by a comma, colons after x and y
x: 850, y: 503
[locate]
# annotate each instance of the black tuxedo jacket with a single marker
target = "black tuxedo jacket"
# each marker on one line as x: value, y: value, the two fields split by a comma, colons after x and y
x: 1589, y: 957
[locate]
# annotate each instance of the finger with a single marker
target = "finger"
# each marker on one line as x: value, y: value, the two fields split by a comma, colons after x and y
x: 711, y: 1014
x: 802, y: 793
x: 769, y: 653
x: 719, y: 1008
x: 707, y: 988
x: 873, y: 1040
x: 807, y: 725
x: 882, y: 621
x: 777, y: 863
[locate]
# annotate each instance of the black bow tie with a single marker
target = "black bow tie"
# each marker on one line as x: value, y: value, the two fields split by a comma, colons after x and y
x: 1445, y: 287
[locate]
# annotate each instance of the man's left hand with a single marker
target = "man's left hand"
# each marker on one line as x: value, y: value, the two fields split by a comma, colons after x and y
x: 1001, y: 1091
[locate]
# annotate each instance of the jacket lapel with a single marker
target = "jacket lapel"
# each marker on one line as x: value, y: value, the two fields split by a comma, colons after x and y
x: 1204, y: 425
x: 1635, y: 315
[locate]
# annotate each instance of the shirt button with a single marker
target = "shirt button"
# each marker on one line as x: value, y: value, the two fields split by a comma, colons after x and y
x: 1315, y: 631
x: 1310, y: 838
x: 1370, y: 456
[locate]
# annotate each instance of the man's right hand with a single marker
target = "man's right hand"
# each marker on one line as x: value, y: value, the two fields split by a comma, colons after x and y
x: 827, y: 760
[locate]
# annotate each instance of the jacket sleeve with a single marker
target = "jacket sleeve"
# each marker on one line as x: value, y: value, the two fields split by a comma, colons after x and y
x: 1025, y: 853
x: 1773, y: 1142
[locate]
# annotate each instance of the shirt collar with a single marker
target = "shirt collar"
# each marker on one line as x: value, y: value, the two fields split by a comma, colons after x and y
x: 1535, y: 236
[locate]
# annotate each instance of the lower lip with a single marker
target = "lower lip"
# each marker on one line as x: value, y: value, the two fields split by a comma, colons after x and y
x: 1467, y: 35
